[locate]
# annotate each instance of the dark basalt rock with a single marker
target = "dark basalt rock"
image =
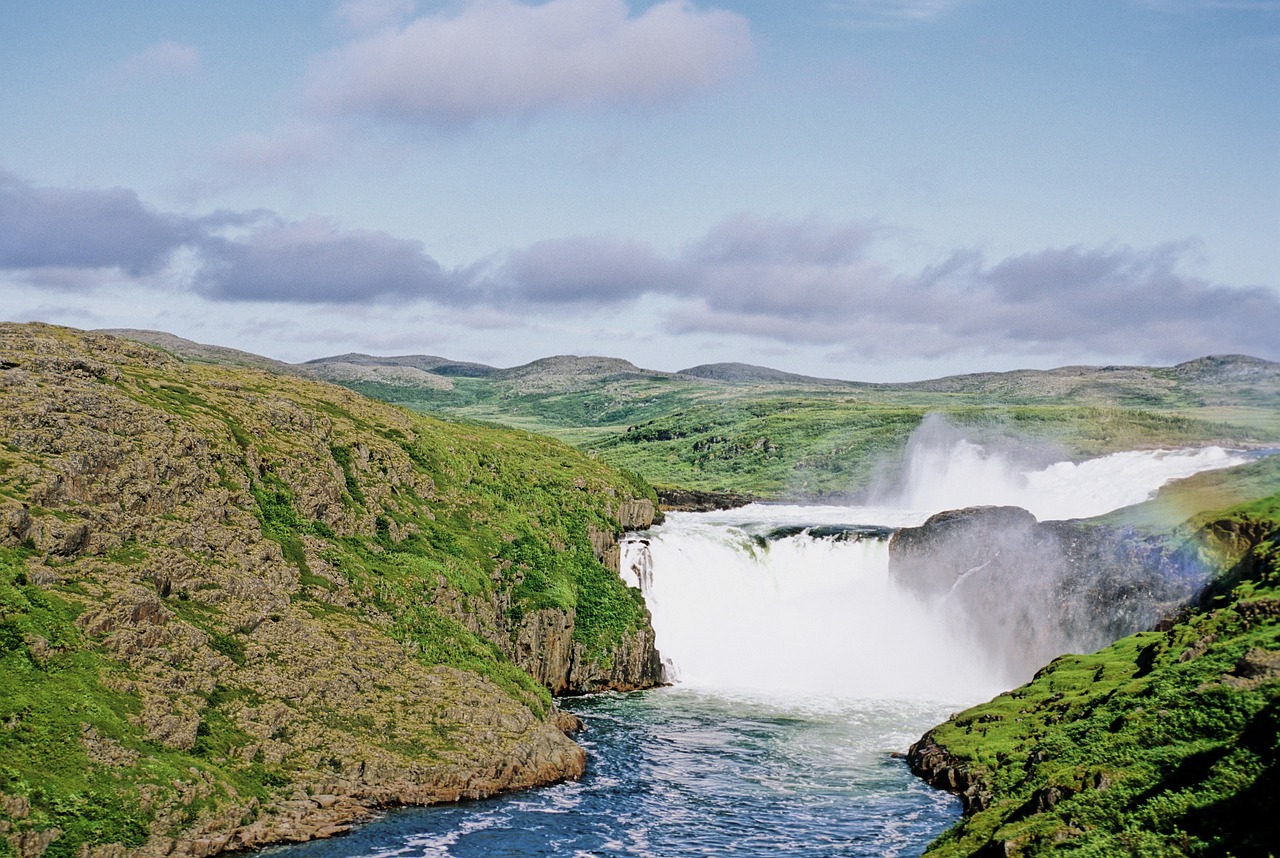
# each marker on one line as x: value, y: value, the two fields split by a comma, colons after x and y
x: 693, y: 500
x: 1028, y: 591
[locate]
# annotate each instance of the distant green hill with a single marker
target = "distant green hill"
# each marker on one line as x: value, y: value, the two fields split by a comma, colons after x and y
x: 239, y: 607
x: 755, y: 430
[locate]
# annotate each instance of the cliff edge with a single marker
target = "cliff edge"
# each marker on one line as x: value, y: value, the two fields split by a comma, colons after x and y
x: 239, y: 608
x: 1163, y: 743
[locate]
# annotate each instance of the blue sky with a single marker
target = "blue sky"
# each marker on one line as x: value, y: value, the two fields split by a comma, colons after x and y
x: 867, y: 189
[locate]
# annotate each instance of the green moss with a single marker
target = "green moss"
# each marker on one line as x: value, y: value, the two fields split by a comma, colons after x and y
x: 1161, y: 744
x: 280, y: 520
x: 49, y: 705
x: 229, y: 646
x: 342, y: 455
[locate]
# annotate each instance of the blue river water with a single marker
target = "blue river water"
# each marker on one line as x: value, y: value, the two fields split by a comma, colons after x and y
x: 675, y: 773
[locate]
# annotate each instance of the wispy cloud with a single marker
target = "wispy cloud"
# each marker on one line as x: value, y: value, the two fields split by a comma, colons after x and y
x: 502, y: 58
x: 363, y: 16
x: 160, y: 60
x: 891, y: 12
x: 253, y: 154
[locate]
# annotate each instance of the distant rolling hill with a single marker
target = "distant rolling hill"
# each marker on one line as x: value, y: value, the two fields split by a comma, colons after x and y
x: 743, y: 428
x: 739, y: 373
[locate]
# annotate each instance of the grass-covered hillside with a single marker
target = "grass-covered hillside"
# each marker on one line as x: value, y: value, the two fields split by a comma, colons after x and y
x: 238, y: 607
x: 746, y: 429
x: 775, y: 435
x: 1166, y: 743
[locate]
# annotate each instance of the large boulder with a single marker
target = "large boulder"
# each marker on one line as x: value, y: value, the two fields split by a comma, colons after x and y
x: 1026, y: 592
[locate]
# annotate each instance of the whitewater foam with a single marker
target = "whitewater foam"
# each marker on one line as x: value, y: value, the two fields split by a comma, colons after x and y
x: 739, y: 612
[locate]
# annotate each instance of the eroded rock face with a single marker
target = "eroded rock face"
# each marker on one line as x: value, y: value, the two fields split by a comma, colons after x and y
x: 692, y: 500
x: 1028, y: 591
x: 546, y: 649
x: 143, y: 493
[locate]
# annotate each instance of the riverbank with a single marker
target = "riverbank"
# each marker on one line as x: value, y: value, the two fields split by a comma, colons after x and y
x: 1162, y: 743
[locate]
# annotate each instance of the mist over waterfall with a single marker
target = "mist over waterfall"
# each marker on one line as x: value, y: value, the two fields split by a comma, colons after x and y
x: 944, y: 470
x: 781, y: 600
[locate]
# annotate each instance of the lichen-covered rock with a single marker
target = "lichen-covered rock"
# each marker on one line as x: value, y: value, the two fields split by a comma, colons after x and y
x: 296, y: 604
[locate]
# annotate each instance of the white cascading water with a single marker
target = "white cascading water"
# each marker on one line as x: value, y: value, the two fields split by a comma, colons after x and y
x: 736, y: 612
x: 796, y: 615
x: 943, y: 470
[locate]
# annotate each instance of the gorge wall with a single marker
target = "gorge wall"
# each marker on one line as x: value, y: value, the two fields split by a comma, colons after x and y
x: 238, y: 608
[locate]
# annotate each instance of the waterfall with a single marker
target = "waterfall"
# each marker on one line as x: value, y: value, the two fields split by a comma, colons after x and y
x: 944, y: 470
x: 737, y: 611
x: 798, y: 600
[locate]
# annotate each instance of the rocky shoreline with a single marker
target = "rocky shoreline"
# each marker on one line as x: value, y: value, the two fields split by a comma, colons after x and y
x: 326, y: 811
x: 239, y: 608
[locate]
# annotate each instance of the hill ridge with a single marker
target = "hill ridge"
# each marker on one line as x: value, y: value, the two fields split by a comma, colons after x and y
x: 709, y: 371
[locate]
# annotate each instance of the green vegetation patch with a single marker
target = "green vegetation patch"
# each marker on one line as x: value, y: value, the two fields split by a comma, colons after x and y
x: 68, y: 745
x: 1165, y: 743
x: 280, y: 520
x: 815, y: 439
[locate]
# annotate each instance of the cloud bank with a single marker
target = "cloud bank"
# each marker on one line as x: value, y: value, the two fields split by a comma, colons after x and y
x: 502, y: 58
x: 792, y: 282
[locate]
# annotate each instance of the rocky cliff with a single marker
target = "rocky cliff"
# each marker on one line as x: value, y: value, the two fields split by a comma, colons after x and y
x: 1026, y: 591
x: 1164, y: 743
x: 238, y: 608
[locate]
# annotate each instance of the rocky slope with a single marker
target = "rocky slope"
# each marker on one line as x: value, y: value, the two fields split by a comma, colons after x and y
x: 1164, y: 743
x: 238, y: 607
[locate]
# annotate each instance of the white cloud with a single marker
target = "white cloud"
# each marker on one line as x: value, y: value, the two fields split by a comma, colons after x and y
x: 163, y: 59
x: 362, y: 16
x: 506, y: 58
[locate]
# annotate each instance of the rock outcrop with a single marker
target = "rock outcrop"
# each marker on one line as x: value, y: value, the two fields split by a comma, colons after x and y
x: 692, y: 500
x: 1027, y: 591
x: 1162, y: 743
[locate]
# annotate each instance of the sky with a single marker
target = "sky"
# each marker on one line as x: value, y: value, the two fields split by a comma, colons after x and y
x: 877, y: 190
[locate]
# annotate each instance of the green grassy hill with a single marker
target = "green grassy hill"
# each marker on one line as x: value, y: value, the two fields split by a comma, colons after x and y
x: 1165, y: 743
x: 754, y: 430
x: 238, y: 607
